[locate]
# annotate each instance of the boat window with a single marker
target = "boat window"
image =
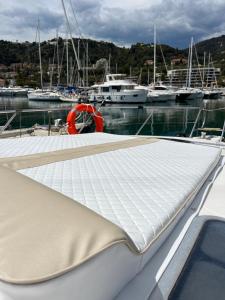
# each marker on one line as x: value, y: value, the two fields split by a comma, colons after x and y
x: 203, y: 276
x: 160, y: 88
x: 127, y: 87
x: 105, y: 89
x: 116, y: 87
x: 135, y: 95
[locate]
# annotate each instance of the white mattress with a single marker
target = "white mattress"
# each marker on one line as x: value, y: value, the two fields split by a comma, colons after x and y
x: 33, y: 145
x: 140, y: 189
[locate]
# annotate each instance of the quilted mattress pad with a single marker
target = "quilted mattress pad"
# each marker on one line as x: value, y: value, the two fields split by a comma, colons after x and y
x: 140, y: 189
x: 134, y: 191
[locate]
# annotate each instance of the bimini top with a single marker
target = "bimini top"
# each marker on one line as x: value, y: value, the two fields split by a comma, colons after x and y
x: 68, y: 205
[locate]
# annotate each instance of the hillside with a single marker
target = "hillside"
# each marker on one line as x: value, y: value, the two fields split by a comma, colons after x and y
x: 21, y: 60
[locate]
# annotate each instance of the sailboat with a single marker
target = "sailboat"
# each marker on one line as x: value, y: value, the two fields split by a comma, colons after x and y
x: 211, y: 92
x: 41, y: 94
x: 157, y: 91
x: 189, y: 93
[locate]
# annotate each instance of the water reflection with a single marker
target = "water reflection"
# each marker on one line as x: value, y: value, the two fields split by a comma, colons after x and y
x: 127, y: 119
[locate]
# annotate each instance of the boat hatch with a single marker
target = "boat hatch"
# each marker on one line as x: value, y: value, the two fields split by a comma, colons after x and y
x: 203, y: 275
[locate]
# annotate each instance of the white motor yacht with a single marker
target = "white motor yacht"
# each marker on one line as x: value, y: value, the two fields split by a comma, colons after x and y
x: 117, y: 89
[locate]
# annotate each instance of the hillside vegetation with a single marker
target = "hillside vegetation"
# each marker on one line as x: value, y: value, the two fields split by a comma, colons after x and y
x: 22, y: 59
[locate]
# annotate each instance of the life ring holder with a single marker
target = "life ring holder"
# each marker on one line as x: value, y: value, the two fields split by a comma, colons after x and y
x: 88, y: 108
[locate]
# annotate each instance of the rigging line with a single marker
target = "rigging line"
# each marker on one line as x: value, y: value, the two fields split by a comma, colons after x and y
x: 214, y: 109
x: 214, y: 74
x: 53, y: 65
x: 80, y: 34
x: 61, y: 63
x: 73, y: 76
x: 70, y: 32
x: 196, y: 54
x: 164, y: 60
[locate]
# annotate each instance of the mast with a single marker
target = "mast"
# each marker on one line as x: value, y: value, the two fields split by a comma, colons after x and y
x: 78, y: 54
x: 207, y: 81
x: 57, y: 53
x: 71, y: 69
x: 204, y: 67
x: 154, y: 76
x: 83, y: 69
x: 188, y: 66
x: 190, y: 63
x: 39, y: 50
x: 67, y: 61
x: 71, y: 37
x: 52, y: 69
x: 87, y: 64
x: 109, y: 66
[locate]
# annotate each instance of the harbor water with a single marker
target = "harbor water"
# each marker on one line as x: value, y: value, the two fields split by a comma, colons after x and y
x: 167, y: 118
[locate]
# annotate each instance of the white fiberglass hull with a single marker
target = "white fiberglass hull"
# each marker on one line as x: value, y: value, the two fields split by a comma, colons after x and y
x: 13, y: 92
x: 189, y: 94
x: 69, y: 99
x: 136, y: 96
x: 43, y: 97
x: 211, y: 94
x: 154, y: 96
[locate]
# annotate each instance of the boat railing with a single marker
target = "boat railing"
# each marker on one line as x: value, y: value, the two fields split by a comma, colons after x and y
x: 209, y: 129
x: 200, y: 119
x: 185, y: 121
x: 23, y: 121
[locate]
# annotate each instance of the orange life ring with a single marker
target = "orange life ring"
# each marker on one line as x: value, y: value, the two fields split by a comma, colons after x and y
x: 96, y: 115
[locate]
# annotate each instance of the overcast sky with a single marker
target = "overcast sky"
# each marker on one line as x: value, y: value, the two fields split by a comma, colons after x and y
x: 121, y: 21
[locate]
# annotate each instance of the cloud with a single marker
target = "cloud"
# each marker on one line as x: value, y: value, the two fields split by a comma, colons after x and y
x: 123, y: 22
x: 19, y: 22
x: 177, y: 20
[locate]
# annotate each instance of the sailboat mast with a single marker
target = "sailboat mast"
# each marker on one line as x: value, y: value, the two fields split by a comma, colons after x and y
x: 154, y: 76
x: 190, y: 63
x: 188, y: 66
x: 39, y: 50
x: 109, y: 63
x: 78, y: 53
x: 71, y: 37
x: 52, y: 69
x: 67, y: 61
x: 57, y: 51
x: 204, y: 67
x: 87, y: 64
x: 207, y: 81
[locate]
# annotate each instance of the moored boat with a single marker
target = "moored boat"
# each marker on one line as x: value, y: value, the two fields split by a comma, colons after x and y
x: 117, y: 89
x: 44, y: 96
